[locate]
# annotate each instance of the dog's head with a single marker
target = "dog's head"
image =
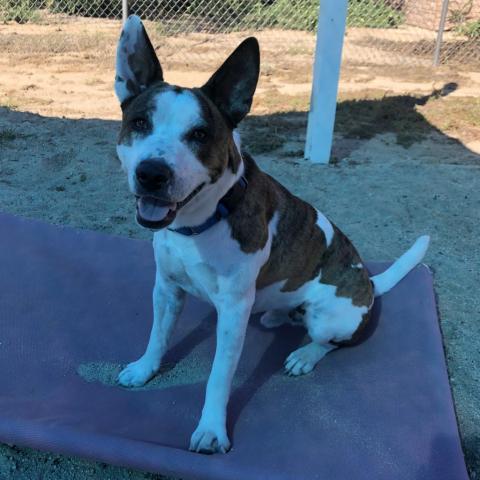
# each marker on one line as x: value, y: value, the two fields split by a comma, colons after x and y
x: 177, y: 144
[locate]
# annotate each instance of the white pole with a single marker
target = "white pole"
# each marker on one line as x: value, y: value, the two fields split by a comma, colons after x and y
x: 124, y: 11
x: 332, y: 16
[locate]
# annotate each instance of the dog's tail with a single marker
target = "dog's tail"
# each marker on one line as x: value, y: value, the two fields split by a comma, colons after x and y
x: 412, y: 257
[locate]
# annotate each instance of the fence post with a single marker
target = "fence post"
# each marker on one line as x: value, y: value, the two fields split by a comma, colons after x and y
x: 441, y: 28
x: 332, y: 16
x: 124, y: 10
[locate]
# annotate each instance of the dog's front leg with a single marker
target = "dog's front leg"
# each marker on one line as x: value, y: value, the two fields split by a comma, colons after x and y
x: 210, y: 435
x: 168, y: 301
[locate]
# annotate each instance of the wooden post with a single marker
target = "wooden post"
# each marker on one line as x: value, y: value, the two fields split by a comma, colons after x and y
x: 332, y: 16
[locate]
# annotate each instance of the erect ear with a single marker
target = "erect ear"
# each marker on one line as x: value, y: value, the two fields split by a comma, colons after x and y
x: 137, y: 64
x: 232, y: 86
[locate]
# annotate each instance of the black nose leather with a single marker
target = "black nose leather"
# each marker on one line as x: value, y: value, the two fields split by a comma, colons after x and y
x: 153, y: 174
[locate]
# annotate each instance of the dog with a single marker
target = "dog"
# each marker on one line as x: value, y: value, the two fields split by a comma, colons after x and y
x: 227, y: 232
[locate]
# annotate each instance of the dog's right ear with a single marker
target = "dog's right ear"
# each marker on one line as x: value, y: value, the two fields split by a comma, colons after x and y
x: 137, y: 64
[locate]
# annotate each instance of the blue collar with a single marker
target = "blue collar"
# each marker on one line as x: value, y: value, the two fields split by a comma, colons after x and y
x: 224, y: 207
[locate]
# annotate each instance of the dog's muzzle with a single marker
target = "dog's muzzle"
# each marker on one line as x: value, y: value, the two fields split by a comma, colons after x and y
x: 157, y: 214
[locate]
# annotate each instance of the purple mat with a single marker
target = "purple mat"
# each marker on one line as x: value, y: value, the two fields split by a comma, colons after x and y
x: 74, y: 304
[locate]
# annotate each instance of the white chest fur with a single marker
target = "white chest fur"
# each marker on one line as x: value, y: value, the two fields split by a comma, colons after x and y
x: 210, y: 264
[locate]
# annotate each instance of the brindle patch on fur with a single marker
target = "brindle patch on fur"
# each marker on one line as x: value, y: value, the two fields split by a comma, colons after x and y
x: 250, y: 218
x: 219, y: 151
x: 337, y: 270
x: 140, y: 106
x: 299, y: 250
x: 144, y: 64
x: 299, y: 243
x: 298, y: 246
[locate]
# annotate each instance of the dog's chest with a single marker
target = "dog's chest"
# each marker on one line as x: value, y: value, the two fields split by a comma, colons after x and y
x: 187, y: 268
x: 207, y: 266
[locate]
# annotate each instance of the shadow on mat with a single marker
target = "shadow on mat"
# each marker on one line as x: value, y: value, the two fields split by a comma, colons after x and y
x: 187, y: 345
x: 285, y: 341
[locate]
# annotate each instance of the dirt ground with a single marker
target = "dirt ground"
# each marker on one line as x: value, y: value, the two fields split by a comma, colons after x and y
x: 406, y: 161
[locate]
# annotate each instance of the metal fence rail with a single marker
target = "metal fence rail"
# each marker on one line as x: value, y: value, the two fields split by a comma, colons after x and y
x: 379, y: 32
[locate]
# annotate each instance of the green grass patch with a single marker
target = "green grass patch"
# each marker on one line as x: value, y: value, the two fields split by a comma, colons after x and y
x: 20, y: 11
x: 241, y: 14
x: 86, y: 8
x: 287, y: 14
x: 373, y: 14
x: 469, y: 29
x: 303, y: 14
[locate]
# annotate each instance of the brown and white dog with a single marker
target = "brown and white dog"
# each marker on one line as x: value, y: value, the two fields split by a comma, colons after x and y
x: 227, y: 232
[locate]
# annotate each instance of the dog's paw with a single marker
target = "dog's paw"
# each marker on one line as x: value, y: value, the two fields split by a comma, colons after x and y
x: 304, y: 359
x: 137, y: 374
x: 273, y: 318
x: 206, y: 439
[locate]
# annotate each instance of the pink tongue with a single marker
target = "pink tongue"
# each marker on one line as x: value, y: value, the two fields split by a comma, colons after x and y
x: 152, y: 209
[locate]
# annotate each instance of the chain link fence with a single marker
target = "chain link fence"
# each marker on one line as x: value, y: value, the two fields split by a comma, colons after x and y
x: 379, y: 32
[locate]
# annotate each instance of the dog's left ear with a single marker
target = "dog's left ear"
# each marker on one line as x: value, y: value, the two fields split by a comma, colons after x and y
x: 232, y: 86
x: 137, y: 64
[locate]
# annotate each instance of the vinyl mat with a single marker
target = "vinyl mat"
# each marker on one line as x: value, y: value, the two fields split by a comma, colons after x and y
x: 76, y: 305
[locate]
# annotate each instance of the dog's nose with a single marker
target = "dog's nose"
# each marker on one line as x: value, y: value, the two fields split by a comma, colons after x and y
x: 153, y: 174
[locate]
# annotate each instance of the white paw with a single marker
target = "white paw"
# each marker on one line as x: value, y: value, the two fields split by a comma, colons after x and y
x: 304, y: 359
x: 210, y: 439
x: 137, y: 374
x: 273, y: 318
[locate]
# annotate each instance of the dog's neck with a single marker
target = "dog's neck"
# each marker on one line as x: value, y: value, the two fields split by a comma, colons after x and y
x: 205, y: 203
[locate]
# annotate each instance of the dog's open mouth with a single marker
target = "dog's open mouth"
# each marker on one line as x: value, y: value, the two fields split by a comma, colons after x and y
x: 157, y: 214
x: 153, y: 213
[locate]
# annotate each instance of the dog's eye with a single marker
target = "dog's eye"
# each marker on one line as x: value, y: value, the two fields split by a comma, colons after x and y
x: 139, y: 124
x: 199, y: 135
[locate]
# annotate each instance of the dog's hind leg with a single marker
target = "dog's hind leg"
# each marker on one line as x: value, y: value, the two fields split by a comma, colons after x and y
x: 304, y: 359
x: 335, y: 322
x: 297, y: 316
x: 274, y: 318
x: 168, y: 302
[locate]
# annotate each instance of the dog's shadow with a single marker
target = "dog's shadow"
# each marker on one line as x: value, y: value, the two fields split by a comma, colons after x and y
x: 187, y: 344
x: 199, y: 342
x: 285, y: 339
